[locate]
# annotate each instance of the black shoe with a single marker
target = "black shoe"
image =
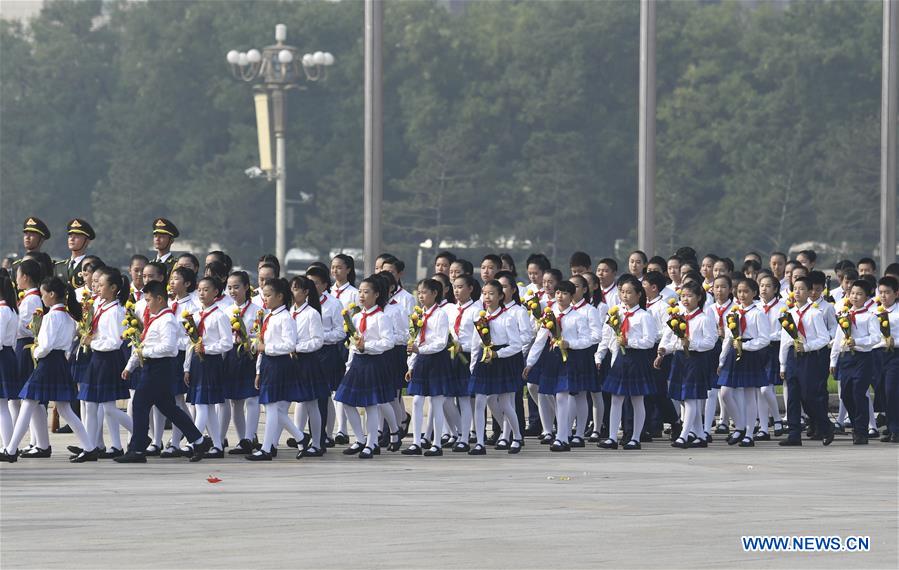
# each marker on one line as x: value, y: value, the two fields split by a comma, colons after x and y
x: 377, y: 450
x: 839, y: 428
x: 478, y: 449
x: 445, y: 440
x: 873, y: 432
x: 112, y: 453
x: 383, y: 439
x: 707, y: 437
x: 153, y: 450
x: 200, y: 450
x: 64, y: 429
x: 646, y: 437
x: 827, y: 439
x: 74, y: 449
x: 577, y: 442
x: 86, y: 456
x: 366, y: 453
x: 329, y: 441
x: 887, y: 438
x: 894, y: 438
x: 721, y: 429
x: 880, y: 420
x: 763, y: 436
x: 425, y: 442
x: 698, y: 442
x: 676, y: 429
x: 736, y: 437
x: 258, y: 455
x: 394, y: 446
x: 778, y: 429
x: 354, y: 449
x: 679, y: 443
x: 171, y: 452
x: 274, y: 452
x: 434, y: 452
x: 37, y: 453
x: 790, y: 443
x: 8, y: 457
x: 472, y: 438
x: 513, y: 448
x: 502, y: 445
x: 559, y: 446
x: 244, y: 447
x: 341, y: 438
x: 412, y: 450
x: 132, y: 457
x: 311, y: 452
x: 594, y: 437
x: 633, y: 444
x: 546, y: 438
x: 747, y: 442
x: 461, y: 447
x: 608, y: 444
x: 533, y: 430
x: 492, y: 439
x: 860, y: 439
x: 214, y: 453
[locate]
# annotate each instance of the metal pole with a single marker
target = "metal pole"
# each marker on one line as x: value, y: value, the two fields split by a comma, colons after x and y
x: 279, y: 101
x: 888, y: 126
x: 374, y: 134
x: 647, y: 138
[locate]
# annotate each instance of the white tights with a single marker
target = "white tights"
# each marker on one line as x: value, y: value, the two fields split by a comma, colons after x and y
x: 245, y: 414
x: 158, y: 423
x: 736, y: 404
x: 277, y: 420
x: 710, y: 405
x: 767, y: 402
x: 435, y: 418
x: 207, y: 419
x: 26, y: 413
x: 692, y: 419
x: 6, y: 421
x: 564, y: 407
x: 308, y: 411
x: 615, y: 416
x: 546, y: 406
x: 96, y: 412
x: 599, y: 410
x: 372, y: 424
x: 580, y: 413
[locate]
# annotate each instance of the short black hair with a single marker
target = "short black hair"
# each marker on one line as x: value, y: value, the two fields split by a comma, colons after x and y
x: 817, y: 278
x: 867, y: 261
x: 155, y: 288
x: 809, y: 253
x: 579, y: 259
x: 655, y: 278
x: 613, y: 265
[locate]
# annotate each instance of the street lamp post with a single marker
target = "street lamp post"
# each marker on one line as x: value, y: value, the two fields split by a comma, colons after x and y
x: 276, y: 69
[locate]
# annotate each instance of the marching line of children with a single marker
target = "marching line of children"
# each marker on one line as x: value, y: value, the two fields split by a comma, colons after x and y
x: 603, y: 357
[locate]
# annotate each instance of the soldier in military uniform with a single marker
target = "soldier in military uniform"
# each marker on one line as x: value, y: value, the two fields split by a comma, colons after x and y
x: 164, y: 234
x: 34, y: 233
x: 80, y: 235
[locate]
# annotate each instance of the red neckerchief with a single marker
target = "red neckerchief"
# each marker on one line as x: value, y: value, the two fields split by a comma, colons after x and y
x: 562, y: 316
x: 363, y: 323
x: 769, y: 306
x: 138, y: 294
x: 294, y: 314
x: 689, y: 318
x: 424, y: 324
x: 801, y: 313
x: 29, y: 293
x: 493, y: 317
x: 579, y: 305
x: 653, y: 302
x: 96, y: 320
x: 244, y: 310
x: 852, y: 314
x: 626, y: 323
x: 604, y: 292
x: 265, y: 322
x: 147, y: 313
x: 743, y: 318
x: 461, y: 313
x: 151, y: 320
x: 201, y: 328
x: 722, y: 311
x: 62, y: 308
x: 219, y: 298
x: 322, y: 299
x: 339, y: 290
x: 550, y: 303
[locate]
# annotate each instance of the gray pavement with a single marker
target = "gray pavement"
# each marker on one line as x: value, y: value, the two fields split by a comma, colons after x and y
x: 660, y: 507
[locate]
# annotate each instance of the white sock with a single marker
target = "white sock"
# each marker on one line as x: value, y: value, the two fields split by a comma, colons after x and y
x: 581, y: 411
x: 158, y: 426
x: 726, y: 412
x: 437, y: 413
x: 176, y: 433
x: 101, y: 416
x: 563, y: 421
x: 639, y: 416
x: 239, y: 416
x: 272, y: 427
x: 734, y: 399
x: 546, y: 407
x: 300, y: 416
x: 615, y: 416
x: 252, y: 422
x: 372, y: 424
x: 453, y: 417
x: 287, y: 424
x: 751, y: 411
x: 388, y: 413
x: 355, y: 421
x: 332, y: 416
x: 115, y: 418
x: 315, y: 422
x: 480, y: 416
x: 91, y: 412
x: 710, y: 405
x: 342, y: 417
x: 872, y: 417
x: 224, y: 413
x: 418, y: 407
x: 466, y: 414
x: 67, y: 414
x: 23, y: 420
x: 39, y: 430
x: 6, y: 421
x: 534, y: 392
x: 599, y: 410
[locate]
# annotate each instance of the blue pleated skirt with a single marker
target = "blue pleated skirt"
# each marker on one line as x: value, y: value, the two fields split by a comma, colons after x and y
x: 500, y: 376
x: 577, y: 374
x: 278, y: 379
x: 80, y: 362
x: 713, y: 364
x: 10, y: 383
x: 24, y: 363
x: 240, y: 375
x: 772, y: 366
x: 103, y: 380
x: 134, y: 380
x: 461, y: 375
x: 547, y: 365
x: 688, y: 379
x: 398, y: 366
x: 176, y: 381
x: 631, y: 373
x: 433, y: 375
x: 595, y: 382
x: 51, y: 380
x: 367, y: 381
x: 333, y: 364
x: 207, y: 379
x: 748, y: 372
x: 310, y: 379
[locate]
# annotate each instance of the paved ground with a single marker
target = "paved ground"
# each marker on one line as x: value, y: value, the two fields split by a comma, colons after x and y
x: 660, y: 507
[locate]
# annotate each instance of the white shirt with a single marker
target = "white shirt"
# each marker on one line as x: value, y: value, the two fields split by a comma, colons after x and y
x: 703, y: 333
x: 658, y: 308
x: 503, y: 331
x: 772, y: 308
x: 642, y: 333
x: 218, y: 338
x: 160, y: 338
x: 436, y: 331
x: 57, y: 332
x: 107, y: 335
x: 399, y: 323
x: 758, y: 332
x: 816, y: 336
x: 829, y: 313
x: 405, y: 299
x: 178, y: 307
x: 378, y: 333
x: 609, y: 295
x: 9, y: 323
x: 345, y: 294
x: 250, y: 311
x: 575, y: 328
x: 332, y: 319
x: 893, y: 316
x: 310, y: 336
x: 718, y: 313
x: 27, y: 306
x: 596, y: 317
x: 469, y: 313
x: 225, y: 303
x: 670, y: 292
x: 280, y: 334
x: 865, y: 333
x: 524, y: 325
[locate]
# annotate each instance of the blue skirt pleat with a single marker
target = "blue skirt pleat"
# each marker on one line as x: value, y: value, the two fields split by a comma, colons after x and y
x: 333, y: 364
x: 772, y: 366
x: 631, y: 374
x: 688, y: 379
x: 51, y: 380
x: 433, y: 375
x: 24, y: 363
x: 10, y: 383
x: 461, y: 375
x: 398, y: 366
x: 277, y: 380
x: 310, y: 379
x: 500, y: 376
x: 103, y: 380
x: 367, y: 381
x: 207, y: 379
x: 748, y: 372
x: 240, y: 375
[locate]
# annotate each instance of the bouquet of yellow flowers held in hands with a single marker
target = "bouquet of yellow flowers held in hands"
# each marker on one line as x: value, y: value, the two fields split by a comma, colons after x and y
x: 482, y: 327
x: 883, y: 320
x: 844, y: 319
x: 132, y: 334
x: 257, y: 329
x: 85, y: 324
x: 35, y: 327
x: 532, y: 304
x: 614, y: 321
x: 549, y: 322
x: 348, y: 327
x: 677, y: 322
x: 193, y: 332
x: 789, y: 324
x: 416, y: 322
x: 455, y: 348
x: 733, y: 323
x: 241, y: 335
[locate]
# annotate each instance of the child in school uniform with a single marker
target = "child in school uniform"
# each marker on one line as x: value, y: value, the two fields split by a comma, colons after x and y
x: 306, y: 313
x: 631, y: 372
x: 394, y: 413
x: 9, y: 371
x: 596, y: 317
x: 772, y: 305
x: 659, y: 408
x: 241, y: 395
x: 451, y: 415
x: 430, y: 373
x: 204, y: 362
x: 331, y: 356
x: 561, y: 377
x: 367, y: 383
x: 461, y: 318
x: 526, y: 325
x: 741, y: 366
x: 343, y: 271
x: 497, y: 375
x: 551, y: 279
x: 853, y: 354
x: 104, y: 385
x: 722, y: 289
x: 888, y: 287
x: 803, y: 366
x: 688, y: 376
x: 607, y: 273
x: 51, y: 379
